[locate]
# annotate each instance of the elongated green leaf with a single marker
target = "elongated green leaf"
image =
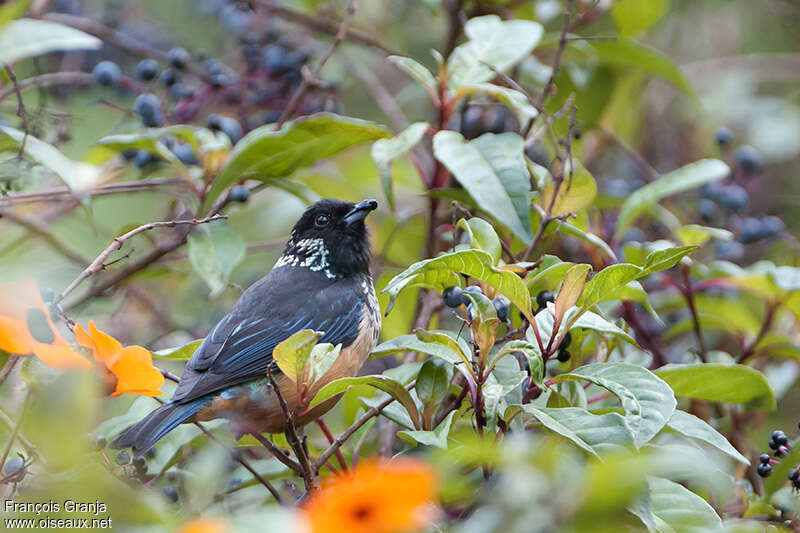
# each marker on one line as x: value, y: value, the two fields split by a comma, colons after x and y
x: 604, y: 285
x: 13, y: 10
x: 148, y: 140
x: 492, y: 169
x: 586, y: 236
x: 648, y: 401
x: 432, y: 343
x: 513, y: 99
x: 180, y: 352
x: 634, y: 16
x: 482, y: 236
x: 384, y: 151
x: 437, y: 437
x: 531, y: 352
x: 432, y: 382
x: 576, y: 192
x: 665, y: 259
x: 720, y: 383
x: 492, y: 41
x: 696, y: 428
x: 685, y: 178
x: 443, y: 271
x: 77, y: 176
x: 265, y: 153
x: 214, y: 251
x: 681, y: 509
x: 23, y: 38
x: 418, y: 72
x: 291, y: 354
x: 386, y: 384
x: 594, y: 433
x: 571, y: 289
x: 599, y: 324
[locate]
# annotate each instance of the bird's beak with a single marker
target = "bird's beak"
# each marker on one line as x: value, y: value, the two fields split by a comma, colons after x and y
x: 360, y: 211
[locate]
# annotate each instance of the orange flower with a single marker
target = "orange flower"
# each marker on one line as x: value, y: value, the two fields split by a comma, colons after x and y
x: 26, y: 327
x: 378, y: 496
x: 131, y: 366
x: 204, y: 525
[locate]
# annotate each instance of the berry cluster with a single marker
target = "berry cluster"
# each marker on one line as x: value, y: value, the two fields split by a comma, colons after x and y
x: 779, y: 444
x: 454, y: 297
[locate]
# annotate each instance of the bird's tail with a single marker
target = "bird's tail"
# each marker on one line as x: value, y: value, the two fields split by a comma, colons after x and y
x: 144, y: 434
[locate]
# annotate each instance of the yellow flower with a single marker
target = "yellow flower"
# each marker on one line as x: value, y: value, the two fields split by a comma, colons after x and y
x: 379, y: 496
x: 26, y: 327
x: 204, y: 525
x: 131, y: 367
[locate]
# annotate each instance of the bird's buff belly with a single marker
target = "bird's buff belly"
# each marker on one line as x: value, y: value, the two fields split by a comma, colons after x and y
x: 254, y: 407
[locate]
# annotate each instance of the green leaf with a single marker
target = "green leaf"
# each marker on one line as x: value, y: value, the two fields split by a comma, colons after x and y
x: 510, y: 97
x: 576, y: 191
x: 291, y: 354
x: 718, y: 382
x: 384, y: 151
x: 570, y: 290
x: 443, y: 271
x: 13, y: 10
x: 599, y: 324
x: 594, y: 433
x: 626, y: 52
x: 433, y: 343
x: 321, y: 359
x: 586, y: 236
x: 149, y: 140
x: 681, y: 509
x: 437, y: 437
x: 214, y: 251
x: 492, y: 169
x: 685, y: 178
x: 265, y: 153
x: 664, y: 259
x: 699, y: 235
x: 77, y: 176
x: 605, y: 284
x: 386, y: 384
x: 531, y: 352
x: 23, y: 38
x: 482, y: 236
x: 648, y: 401
x: 180, y: 352
x: 492, y: 41
x: 696, y: 428
x: 418, y: 72
x: 634, y: 16
x: 432, y: 382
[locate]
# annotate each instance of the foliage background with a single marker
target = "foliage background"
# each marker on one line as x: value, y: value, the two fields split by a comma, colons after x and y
x: 739, y: 69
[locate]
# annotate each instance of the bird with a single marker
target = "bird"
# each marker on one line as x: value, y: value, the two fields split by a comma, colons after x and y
x: 321, y: 282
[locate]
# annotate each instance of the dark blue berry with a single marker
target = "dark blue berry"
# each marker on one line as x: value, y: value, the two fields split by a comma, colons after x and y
x: 231, y: 128
x: 472, y: 122
x: 748, y: 158
x: 501, y: 116
x: 106, y: 73
x: 723, y: 136
x: 185, y: 154
x: 277, y: 60
x: 14, y: 470
x: 794, y: 474
x: 712, y: 190
x: 563, y: 355
x: 128, y: 154
x: 170, y: 77
x: 764, y: 458
x: 214, y: 122
x: 707, y: 209
x: 772, y: 226
x: 148, y: 106
x: 501, y: 308
x: 733, y: 198
x: 240, y: 193
x: 773, y: 445
x: 750, y: 230
x: 782, y: 440
x: 143, y: 158
x: 453, y: 296
x: 476, y: 289
x: 213, y: 66
x: 170, y: 494
x: 180, y: 91
x: 223, y: 79
x: 543, y: 298
x: 566, y: 341
x: 764, y: 470
x: 146, y: 70
x: 178, y: 58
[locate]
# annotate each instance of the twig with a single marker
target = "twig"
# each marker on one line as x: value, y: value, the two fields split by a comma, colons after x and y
x: 38, y: 228
x: 29, y: 447
x: 562, y: 43
x: 279, y: 454
x: 20, y: 107
x: 765, y: 326
x: 15, y: 430
x: 47, y: 195
x: 98, y: 264
x: 341, y: 439
x: 245, y: 464
x: 688, y: 293
x: 322, y: 24
x: 44, y: 80
x: 294, y: 101
x: 324, y: 427
x: 11, y: 362
x: 294, y: 440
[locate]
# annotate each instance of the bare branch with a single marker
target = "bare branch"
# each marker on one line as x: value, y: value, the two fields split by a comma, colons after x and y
x: 47, y: 195
x: 44, y: 80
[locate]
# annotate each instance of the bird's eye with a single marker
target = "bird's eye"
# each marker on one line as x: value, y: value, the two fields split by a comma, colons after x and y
x: 322, y: 220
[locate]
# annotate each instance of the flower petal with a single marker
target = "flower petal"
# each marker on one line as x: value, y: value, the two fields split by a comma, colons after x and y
x: 60, y: 356
x: 106, y: 347
x: 135, y: 373
x: 82, y: 337
x: 14, y: 336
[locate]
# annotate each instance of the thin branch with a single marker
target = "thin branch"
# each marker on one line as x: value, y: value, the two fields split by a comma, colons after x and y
x: 11, y: 362
x: 294, y: 101
x: 47, y: 195
x: 321, y: 24
x: 765, y: 327
x: 29, y: 447
x: 20, y: 106
x: 688, y: 293
x: 44, y: 80
x: 99, y: 263
x: 39, y: 229
x: 562, y: 43
x: 15, y: 430
x: 328, y: 435
x: 279, y: 454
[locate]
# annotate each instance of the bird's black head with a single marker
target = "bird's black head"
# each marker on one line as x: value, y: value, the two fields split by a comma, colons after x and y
x: 331, y: 237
